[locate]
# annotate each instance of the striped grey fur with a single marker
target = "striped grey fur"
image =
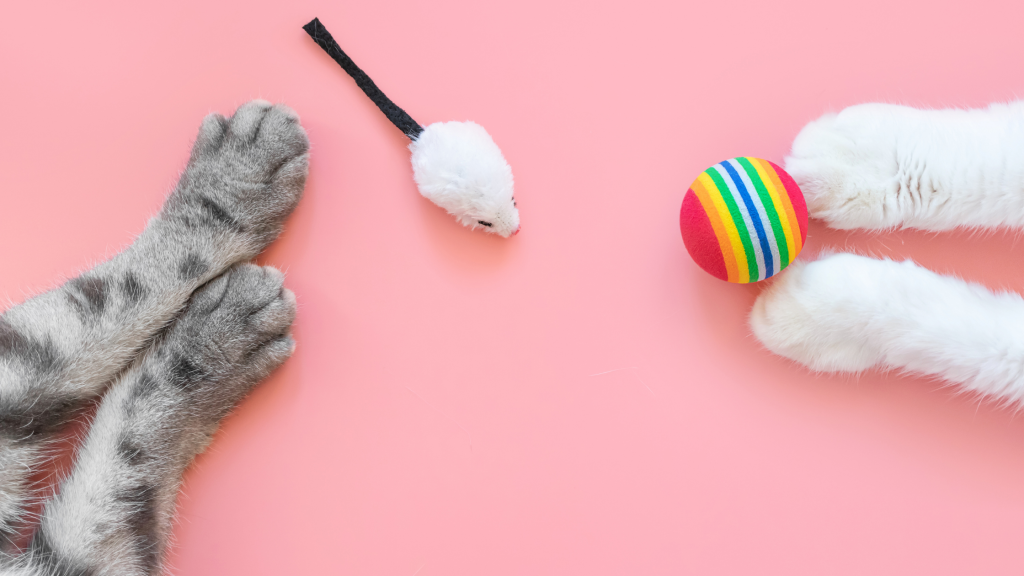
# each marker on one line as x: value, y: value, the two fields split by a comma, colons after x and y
x: 166, y: 367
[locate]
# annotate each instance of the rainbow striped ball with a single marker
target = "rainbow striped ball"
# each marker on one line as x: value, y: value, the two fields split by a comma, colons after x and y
x: 744, y: 220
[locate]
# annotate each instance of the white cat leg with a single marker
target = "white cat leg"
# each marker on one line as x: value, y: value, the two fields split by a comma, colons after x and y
x: 881, y: 166
x: 846, y: 313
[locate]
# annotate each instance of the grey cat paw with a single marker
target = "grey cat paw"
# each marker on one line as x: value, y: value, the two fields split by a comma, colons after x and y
x: 234, y: 332
x: 244, y: 177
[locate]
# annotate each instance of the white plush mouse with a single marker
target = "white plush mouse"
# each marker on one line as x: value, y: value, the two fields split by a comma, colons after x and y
x: 456, y: 164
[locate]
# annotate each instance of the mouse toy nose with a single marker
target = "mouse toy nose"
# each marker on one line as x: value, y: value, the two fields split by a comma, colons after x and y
x: 517, y: 230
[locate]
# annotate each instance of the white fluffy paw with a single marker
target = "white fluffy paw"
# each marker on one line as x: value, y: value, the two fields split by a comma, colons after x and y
x: 846, y: 165
x: 816, y: 314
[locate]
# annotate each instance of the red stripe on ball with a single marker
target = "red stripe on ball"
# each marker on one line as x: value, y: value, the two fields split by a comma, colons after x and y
x: 796, y: 197
x: 700, y: 239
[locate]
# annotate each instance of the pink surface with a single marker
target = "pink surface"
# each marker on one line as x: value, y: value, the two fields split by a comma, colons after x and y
x: 581, y: 399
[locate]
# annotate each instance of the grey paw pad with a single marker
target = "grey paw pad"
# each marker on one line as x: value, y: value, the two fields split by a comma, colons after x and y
x: 233, y: 317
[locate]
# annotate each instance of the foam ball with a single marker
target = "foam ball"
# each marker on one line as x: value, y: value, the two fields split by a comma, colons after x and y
x: 744, y: 220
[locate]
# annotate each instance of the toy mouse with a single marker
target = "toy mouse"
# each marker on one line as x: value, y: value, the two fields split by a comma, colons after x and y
x: 456, y: 164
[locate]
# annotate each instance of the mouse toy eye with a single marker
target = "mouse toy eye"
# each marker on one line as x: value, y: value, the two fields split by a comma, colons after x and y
x: 514, y: 202
x: 482, y: 223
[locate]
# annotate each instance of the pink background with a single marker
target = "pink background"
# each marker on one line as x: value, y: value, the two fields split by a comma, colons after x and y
x: 581, y: 399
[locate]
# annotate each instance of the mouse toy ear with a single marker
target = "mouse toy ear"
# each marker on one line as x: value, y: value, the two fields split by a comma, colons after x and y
x: 456, y: 164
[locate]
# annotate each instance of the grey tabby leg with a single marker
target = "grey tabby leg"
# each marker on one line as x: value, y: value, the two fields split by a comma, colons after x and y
x: 61, y: 349
x: 114, y: 511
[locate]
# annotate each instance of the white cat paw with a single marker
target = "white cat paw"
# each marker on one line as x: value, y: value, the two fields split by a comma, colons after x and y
x: 846, y: 166
x: 813, y: 314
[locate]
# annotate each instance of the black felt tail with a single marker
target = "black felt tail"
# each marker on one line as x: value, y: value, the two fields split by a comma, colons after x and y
x: 397, y: 116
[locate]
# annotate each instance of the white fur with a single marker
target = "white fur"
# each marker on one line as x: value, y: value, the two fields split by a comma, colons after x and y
x: 459, y: 167
x: 881, y: 166
x: 847, y: 313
